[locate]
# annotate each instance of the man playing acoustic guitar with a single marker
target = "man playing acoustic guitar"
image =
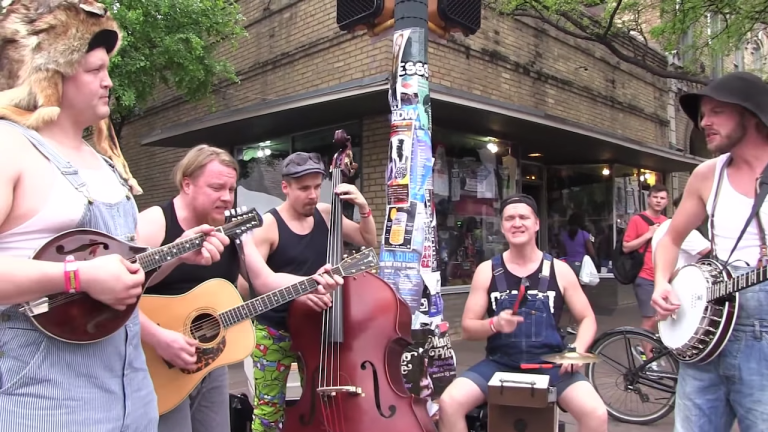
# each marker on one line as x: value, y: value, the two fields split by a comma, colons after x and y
x: 523, y: 325
x: 294, y: 239
x: 206, y: 178
x: 52, y: 181
x: 732, y: 111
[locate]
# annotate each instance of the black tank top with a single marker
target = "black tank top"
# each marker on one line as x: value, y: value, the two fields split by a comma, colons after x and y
x: 513, y: 283
x: 300, y: 255
x: 185, y: 277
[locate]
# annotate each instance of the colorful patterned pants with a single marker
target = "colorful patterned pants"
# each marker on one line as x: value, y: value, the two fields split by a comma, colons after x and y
x: 272, y: 359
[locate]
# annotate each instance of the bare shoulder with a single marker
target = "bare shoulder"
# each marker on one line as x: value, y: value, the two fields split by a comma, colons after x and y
x: 15, y: 147
x: 151, y: 227
x: 268, y: 230
x: 482, y: 276
x: 565, y: 275
x: 325, y: 210
x: 702, y: 178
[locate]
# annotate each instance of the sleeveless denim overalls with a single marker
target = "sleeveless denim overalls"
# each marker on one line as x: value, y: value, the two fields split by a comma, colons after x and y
x: 537, y: 335
x: 50, y: 385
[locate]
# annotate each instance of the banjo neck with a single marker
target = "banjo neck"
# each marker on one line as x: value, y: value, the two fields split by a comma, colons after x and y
x: 724, y: 288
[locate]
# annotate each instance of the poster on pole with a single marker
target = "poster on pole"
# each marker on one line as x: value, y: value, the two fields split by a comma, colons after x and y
x: 408, y: 259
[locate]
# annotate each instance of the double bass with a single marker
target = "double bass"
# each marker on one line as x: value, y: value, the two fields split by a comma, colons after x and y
x: 351, y: 352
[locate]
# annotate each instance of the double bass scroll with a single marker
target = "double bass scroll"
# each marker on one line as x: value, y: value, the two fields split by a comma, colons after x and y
x: 351, y: 353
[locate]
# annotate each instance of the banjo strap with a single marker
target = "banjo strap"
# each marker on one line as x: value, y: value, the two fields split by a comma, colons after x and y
x: 761, y: 186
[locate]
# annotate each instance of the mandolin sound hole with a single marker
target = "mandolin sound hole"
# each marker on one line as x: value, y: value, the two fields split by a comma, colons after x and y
x: 205, y: 328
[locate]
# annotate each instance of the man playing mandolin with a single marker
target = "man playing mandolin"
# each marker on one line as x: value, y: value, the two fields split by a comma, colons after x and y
x: 206, y: 179
x: 52, y: 181
x: 524, y: 327
x: 732, y: 111
x: 294, y: 239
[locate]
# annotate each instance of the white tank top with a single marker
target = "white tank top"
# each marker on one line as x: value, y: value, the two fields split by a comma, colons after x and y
x: 729, y: 217
x: 62, y: 211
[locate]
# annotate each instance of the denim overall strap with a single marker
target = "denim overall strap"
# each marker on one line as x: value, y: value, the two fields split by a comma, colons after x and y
x: 498, y: 274
x: 50, y: 385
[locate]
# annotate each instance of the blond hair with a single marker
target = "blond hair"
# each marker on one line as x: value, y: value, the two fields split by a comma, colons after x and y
x: 197, y: 158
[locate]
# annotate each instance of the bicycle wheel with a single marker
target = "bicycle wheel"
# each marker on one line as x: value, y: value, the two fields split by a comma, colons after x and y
x: 637, y: 379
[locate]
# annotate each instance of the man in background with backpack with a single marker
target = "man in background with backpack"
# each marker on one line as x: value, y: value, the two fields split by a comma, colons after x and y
x: 637, y: 237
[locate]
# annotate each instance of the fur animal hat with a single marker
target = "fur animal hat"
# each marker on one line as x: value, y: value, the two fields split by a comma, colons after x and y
x: 41, y: 42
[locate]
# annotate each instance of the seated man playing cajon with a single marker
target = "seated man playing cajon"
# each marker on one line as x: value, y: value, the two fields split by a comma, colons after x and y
x: 523, y: 337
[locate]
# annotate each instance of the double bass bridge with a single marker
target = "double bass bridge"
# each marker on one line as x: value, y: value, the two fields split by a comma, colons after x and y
x: 333, y: 391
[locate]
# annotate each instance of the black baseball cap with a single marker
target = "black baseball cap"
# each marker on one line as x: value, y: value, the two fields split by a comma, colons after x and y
x: 519, y: 199
x: 300, y: 164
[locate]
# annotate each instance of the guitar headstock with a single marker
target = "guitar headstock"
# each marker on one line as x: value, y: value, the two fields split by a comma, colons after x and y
x: 241, y: 220
x: 343, y: 159
x: 366, y: 260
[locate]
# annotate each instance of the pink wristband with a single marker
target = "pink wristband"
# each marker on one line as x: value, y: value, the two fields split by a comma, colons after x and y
x: 493, y: 327
x: 71, y: 275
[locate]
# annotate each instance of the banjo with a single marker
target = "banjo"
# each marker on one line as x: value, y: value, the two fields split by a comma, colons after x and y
x: 709, y: 294
x: 709, y: 299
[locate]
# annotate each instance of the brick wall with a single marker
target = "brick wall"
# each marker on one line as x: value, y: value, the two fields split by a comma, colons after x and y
x: 509, y: 60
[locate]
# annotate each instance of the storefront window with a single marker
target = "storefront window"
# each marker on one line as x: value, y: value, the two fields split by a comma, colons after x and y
x: 469, y: 180
x: 579, y: 199
x: 260, y: 183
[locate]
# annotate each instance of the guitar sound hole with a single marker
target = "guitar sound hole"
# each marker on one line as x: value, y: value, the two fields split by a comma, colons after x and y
x: 205, y: 328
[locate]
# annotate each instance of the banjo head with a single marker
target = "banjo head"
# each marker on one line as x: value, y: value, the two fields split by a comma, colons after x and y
x: 690, y: 285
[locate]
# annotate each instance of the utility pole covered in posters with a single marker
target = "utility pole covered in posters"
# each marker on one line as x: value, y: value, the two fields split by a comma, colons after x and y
x: 408, y: 257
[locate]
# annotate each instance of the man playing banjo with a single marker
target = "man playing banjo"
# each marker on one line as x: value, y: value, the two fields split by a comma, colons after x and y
x: 733, y: 113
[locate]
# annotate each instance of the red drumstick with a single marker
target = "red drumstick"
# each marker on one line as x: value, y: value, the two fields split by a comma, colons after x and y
x: 536, y: 366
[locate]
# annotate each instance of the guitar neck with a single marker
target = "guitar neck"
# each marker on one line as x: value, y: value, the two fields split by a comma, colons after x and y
x: 155, y: 258
x: 261, y: 304
x: 738, y: 283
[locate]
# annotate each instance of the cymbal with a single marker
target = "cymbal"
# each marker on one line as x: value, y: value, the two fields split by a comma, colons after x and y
x: 570, y: 357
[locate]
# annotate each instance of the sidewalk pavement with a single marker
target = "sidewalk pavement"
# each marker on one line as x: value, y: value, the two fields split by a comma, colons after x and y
x: 470, y: 352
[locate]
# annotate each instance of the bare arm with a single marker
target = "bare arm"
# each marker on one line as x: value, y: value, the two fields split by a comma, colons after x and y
x: 150, y: 233
x: 689, y: 215
x: 473, y: 324
x: 23, y: 279
x: 262, y: 277
x: 362, y: 234
x: 263, y: 239
x: 632, y: 244
x: 578, y: 305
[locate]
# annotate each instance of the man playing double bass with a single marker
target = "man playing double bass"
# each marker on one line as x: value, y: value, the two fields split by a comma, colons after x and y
x: 294, y: 239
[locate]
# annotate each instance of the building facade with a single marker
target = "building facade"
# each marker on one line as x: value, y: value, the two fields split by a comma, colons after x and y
x: 518, y: 107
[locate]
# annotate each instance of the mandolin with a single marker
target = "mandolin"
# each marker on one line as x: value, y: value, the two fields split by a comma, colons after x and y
x: 78, y: 317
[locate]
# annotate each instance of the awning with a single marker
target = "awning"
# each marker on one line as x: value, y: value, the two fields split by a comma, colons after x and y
x: 282, y: 116
x: 559, y: 141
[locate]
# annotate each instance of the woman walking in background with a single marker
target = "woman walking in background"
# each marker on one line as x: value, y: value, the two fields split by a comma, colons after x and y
x: 575, y: 244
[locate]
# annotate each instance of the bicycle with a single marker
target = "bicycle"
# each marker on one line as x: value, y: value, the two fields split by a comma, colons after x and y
x: 634, y: 378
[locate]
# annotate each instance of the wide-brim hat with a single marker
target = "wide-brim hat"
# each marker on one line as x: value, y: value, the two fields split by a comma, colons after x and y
x: 744, y: 89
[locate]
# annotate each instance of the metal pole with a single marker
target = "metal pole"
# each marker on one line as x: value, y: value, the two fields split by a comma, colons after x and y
x: 408, y: 259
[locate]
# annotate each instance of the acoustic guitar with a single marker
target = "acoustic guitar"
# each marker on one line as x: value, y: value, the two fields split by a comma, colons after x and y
x: 78, y: 317
x: 214, y: 314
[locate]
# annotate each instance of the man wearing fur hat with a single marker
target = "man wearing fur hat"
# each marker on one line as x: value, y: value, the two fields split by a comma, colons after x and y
x: 733, y: 113
x: 54, y: 56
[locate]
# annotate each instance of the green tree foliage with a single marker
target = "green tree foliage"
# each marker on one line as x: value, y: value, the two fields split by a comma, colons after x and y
x: 684, y: 26
x: 171, y: 43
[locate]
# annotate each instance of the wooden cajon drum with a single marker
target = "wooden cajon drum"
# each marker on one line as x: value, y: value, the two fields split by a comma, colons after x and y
x: 521, y: 403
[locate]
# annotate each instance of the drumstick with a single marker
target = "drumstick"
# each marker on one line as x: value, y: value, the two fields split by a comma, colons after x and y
x: 520, y: 295
x: 536, y: 366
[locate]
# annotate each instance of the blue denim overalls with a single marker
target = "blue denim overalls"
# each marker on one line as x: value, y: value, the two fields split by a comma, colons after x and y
x: 537, y: 335
x: 50, y: 385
